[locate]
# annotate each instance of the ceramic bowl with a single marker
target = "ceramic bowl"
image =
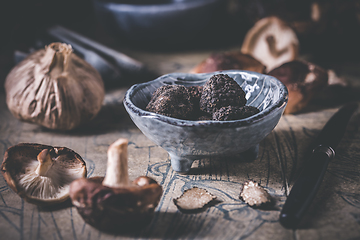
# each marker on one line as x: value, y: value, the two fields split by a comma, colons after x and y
x: 186, y: 140
x: 159, y: 22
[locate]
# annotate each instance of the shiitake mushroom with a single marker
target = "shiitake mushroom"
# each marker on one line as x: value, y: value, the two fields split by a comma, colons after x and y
x: 303, y: 80
x: 41, y: 174
x: 272, y: 42
x: 113, y: 203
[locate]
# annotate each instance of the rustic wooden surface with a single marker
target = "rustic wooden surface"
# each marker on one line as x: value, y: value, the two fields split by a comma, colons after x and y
x: 334, y: 214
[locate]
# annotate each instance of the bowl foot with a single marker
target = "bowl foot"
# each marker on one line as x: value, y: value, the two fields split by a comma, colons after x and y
x: 181, y: 164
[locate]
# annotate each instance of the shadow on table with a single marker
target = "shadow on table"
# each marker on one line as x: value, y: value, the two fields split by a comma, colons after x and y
x: 66, y: 204
x: 164, y: 225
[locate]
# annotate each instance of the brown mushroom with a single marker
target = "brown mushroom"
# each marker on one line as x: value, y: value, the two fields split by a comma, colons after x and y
x: 303, y: 80
x: 112, y: 203
x: 227, y: 61
x: 272, y: 42
x: 41, y: 174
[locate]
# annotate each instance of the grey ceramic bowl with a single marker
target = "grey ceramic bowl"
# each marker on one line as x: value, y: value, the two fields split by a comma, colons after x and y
x: 160, y: 22
x: 186, y: 141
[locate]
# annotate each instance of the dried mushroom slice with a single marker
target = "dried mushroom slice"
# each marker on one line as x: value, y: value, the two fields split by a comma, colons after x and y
x: 194, y: 199
x: 42, y: 174
x: 254, y: 195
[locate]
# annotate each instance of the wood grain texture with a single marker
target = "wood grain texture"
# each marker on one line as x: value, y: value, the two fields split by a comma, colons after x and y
x: 334, y: 214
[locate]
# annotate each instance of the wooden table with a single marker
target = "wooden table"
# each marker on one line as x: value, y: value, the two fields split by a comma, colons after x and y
x: 334, y: 214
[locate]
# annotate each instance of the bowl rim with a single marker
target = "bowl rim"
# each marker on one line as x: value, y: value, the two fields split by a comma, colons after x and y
x: 279, y: 105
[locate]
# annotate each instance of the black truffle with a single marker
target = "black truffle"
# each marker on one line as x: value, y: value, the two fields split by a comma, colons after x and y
x: 172, y: 101
x: 234, y: 113
x: 195, y: 94
x: 221, y: 91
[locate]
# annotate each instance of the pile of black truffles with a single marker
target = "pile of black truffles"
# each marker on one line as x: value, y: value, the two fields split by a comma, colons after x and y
x: 221, y: 99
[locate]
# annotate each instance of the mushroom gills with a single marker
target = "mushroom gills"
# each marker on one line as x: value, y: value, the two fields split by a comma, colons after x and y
x: 48, y: 179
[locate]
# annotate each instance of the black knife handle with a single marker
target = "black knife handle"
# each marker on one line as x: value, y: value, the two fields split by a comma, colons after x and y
x: 305, y: 187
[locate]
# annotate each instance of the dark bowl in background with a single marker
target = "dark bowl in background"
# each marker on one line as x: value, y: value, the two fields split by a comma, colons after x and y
x: 164, y: 23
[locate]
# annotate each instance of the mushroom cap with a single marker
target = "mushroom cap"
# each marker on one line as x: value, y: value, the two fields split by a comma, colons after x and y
x: 19, y: 170
x: 272, y: 42
x: 227, y: 61
x: 303, y: 80
x: 116, y: 209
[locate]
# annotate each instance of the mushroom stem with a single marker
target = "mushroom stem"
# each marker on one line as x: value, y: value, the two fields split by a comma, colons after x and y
x: 45, y: 162
x: 117, y: 165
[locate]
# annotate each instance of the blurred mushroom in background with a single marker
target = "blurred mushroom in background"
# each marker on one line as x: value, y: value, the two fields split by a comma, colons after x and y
x: 327, y: 29
x: 227, y: 61
x: 303, y: 80
x: 272, y: 42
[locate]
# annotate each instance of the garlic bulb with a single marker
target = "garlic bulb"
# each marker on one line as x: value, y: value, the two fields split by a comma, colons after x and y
x: 54, y: 88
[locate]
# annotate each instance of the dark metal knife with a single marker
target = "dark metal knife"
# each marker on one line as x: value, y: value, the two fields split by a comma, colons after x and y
x: 307, y: 184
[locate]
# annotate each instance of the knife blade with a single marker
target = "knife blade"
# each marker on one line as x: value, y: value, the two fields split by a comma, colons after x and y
x: 310, y: 178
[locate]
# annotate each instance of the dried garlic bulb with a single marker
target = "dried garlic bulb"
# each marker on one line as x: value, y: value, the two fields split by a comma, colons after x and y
x: 54, y: 88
